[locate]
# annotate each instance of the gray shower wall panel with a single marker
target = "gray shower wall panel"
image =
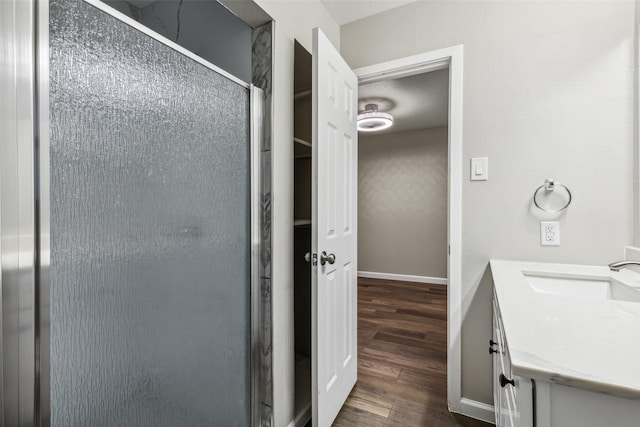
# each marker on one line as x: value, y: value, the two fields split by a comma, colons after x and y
x: 204, y: 27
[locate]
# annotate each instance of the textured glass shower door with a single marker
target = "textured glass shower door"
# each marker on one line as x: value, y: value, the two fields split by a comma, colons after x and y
x: 150, y: 231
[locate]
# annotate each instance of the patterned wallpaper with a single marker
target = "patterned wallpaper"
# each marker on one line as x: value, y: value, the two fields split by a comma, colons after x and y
x: 402, y: 203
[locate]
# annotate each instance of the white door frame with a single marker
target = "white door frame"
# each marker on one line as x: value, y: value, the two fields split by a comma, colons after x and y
x: 451, y: 58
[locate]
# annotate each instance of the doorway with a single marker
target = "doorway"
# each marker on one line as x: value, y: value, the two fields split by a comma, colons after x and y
x: 452, y: 59
x: 403, y: 180
x: 402, y: 254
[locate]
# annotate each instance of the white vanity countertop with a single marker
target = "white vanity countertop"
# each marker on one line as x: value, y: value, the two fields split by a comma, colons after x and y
x: 587, y: 343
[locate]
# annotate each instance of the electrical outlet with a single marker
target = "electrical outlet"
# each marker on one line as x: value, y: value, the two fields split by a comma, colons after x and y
x: 550, y: 233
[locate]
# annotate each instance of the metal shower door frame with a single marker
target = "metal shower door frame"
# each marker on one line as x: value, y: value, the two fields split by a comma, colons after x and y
x: 25, y: 211
x: 18, y: 212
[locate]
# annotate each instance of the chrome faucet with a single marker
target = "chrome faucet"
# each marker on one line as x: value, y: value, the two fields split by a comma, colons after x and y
x: 617, y: 266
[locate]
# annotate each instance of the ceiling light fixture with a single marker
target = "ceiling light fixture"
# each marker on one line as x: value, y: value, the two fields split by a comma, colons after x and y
x: 371, y: 119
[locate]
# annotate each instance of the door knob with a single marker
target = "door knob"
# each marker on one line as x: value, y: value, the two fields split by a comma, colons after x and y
x: 324, y: 258
x: 312, y: 258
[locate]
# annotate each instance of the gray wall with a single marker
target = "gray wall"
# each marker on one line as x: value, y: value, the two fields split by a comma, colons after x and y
x: 207, y: 29
x: 402, y: 202
x: 548, y: 93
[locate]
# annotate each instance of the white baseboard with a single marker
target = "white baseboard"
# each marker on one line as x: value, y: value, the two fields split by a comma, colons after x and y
x: 403, y: 277
x: 478, y: 410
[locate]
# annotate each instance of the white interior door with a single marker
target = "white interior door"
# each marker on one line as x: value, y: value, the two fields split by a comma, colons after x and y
x: 334, y: 231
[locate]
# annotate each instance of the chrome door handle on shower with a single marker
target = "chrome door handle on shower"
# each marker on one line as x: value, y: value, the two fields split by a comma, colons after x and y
x: 324, y: 258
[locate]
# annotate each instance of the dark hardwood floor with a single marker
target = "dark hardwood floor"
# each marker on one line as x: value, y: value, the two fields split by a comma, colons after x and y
x: 402, y: 358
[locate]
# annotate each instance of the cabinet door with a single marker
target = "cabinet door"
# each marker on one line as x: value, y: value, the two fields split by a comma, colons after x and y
x: 523, y: 396
x: 513, y: 402
x: 496, y: 366
x: 508, y: 408
x: 505, y: 404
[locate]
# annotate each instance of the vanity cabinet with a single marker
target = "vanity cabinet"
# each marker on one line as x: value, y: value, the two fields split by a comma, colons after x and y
x: 526, y: 402
x: 512, y: 395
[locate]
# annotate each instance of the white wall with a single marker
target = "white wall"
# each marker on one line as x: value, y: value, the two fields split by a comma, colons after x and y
x: 402, y: 202
x: 548, y: 93
x: 293, y: 20
x: 636, y: 118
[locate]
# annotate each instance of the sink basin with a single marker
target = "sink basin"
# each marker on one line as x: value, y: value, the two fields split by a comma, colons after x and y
x: 581, y: 286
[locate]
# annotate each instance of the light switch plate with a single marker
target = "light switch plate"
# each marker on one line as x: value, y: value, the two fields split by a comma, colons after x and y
x: 479, y: 169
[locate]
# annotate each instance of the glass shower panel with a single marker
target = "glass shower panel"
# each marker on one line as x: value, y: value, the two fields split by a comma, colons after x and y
x: 150, y: 231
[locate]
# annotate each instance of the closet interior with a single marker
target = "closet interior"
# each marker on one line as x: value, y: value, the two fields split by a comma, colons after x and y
x: 302, y: 231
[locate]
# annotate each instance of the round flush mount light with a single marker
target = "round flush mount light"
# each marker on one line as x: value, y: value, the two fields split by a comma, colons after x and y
x: 371, y: 120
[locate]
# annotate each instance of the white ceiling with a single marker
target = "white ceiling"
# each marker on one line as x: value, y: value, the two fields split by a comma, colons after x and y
x: 416, y: 102
x: 346, y: 11
x: 343, y: 11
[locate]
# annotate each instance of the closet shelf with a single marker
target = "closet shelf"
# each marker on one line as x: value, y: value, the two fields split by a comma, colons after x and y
x: 301, y: 148
x: 302, y: 94
x: 302, y: 141
x: 301, y: 222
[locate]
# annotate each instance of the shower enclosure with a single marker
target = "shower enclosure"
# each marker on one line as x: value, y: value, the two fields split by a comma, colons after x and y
x: 129, y: 224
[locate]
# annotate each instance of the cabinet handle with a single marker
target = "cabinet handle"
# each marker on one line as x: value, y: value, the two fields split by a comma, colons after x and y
x: 504, y: 381
x: 491, y: 344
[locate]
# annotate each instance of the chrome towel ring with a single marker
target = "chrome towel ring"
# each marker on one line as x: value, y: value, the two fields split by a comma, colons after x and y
x: 550, y: 185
